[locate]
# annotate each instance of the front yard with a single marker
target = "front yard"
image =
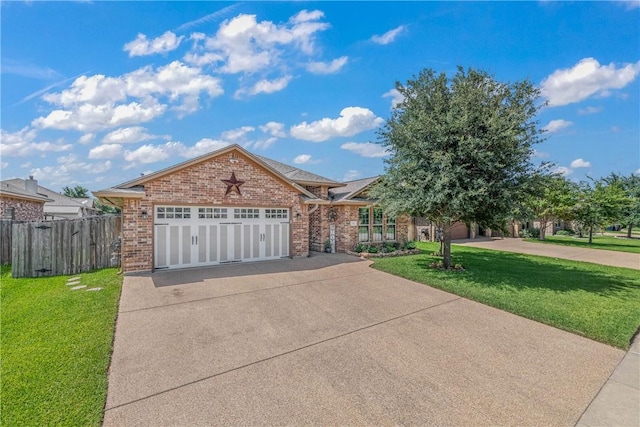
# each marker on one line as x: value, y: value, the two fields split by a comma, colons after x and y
x: 609, y: 243
x: 56, y: 347
x: 595, y: 301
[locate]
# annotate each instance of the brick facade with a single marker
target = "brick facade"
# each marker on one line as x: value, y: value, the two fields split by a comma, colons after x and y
x: 200, y: 184
x: 24, y: 210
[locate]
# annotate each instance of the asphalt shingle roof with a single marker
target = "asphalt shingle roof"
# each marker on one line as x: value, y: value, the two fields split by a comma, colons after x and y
x: 351, y: 188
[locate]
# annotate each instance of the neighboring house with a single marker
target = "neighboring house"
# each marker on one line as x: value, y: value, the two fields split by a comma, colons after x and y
x: 21, y: 201
x: 59, y: 206
x: 231, y: 206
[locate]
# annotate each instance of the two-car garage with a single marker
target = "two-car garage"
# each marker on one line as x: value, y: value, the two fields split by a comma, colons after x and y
x: 190, y: 236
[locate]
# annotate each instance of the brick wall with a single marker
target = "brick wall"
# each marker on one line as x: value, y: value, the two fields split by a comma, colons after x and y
x: 201, y: 184
x: 347, y: 235
x: 25, y: 210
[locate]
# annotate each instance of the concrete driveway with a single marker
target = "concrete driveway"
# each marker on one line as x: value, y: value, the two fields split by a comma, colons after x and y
x: 328, y: 340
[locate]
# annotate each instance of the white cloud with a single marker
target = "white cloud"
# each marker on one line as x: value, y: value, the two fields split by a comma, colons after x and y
x: 327, y: 67
x: 105, y: 151
x: 563, y: 170
x: 396, y: 97
x: 99, y: 102
x: 265, y: 86
x: 540, y: 154
x: 629, y: 4
x: 586, y: 78
x: 150, y: 153
x: 141, y: 46
x: 351, y: 175
x: 263, y: 144
x: 203, y: 146
x: 26, y: 165
x: 389, y: 36
x: 580, y: 163
x: 637, y: 172
x: 244, y: 45
x: 352, y: 121
x: 557, y: 125
x: 86, y: 138
x: 589, y: 110
x: 62, y: 173
x: 3, y: 165
x: 128, y: 135
x: 304, y: 159
x: 274, y: 129
x: 366, y: 149
x: 23, y: 143
x: 234, y: 135
x: 208, y: 18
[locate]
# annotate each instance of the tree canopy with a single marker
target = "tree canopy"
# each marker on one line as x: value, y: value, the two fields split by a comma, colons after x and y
x: 460, y: 147
x: 76, y: 192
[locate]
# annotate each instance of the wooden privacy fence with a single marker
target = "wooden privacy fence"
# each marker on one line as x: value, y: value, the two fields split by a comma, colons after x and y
x: 51, y: 248
x: 5, y: 241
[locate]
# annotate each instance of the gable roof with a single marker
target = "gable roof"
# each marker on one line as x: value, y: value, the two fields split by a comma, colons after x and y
x: 298, y: 175
x: 351, y: 189
x: 134, y: 187
x: 13, y: 188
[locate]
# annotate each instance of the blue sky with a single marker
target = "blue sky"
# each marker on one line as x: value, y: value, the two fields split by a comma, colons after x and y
x: 95, y: 93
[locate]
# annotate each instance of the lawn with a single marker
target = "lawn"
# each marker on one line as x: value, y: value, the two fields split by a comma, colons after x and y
x: 608, y: 243
x: 598, y: 302
x: 56, y: 347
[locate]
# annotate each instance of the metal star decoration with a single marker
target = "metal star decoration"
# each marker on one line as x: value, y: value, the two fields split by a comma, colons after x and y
x: 233, y: 184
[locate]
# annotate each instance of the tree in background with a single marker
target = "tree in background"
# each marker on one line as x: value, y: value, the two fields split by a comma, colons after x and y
x: 630, y: 215
x: 460, y: 148
x: 77, y: 192
x: 550, y: 197
x: 600, y: 204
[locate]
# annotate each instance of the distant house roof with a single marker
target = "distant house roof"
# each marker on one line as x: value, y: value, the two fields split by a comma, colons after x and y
x: 56, y: 202
x: 16, y: 188
x: 351, y: 190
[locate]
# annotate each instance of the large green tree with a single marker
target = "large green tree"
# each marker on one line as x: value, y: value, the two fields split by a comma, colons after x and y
x: 630, y: 214
x: 550, y: 197
x: 460, y: 147
x: 600, y: 204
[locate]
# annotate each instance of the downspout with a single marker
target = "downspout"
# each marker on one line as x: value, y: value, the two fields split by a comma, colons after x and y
x: 315, y: 208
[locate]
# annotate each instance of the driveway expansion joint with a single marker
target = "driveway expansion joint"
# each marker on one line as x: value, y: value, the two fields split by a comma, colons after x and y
x: 266, y: 359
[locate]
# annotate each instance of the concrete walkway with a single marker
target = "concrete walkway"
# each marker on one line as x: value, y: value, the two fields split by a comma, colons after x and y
x: 597, y: 256
x: 618, y: 401
x: 327, y: 340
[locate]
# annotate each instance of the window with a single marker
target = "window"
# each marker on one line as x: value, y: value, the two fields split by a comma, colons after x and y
x: 363, y: 224
x: 207, y: 213
x: 276, y: 213
x: 246, y: 213
x: 391, y: 228
x: 170, y: 212
x: 10, y: 213
x: 377, y: 225
x: 374, y: 231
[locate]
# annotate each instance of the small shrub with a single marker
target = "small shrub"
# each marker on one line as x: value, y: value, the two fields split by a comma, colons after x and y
x: 530, y: 233
x: 564, y: 233
x: 360, y: 247
x: 389, y: 247
x: 373, y: 249
x: 410, y: 245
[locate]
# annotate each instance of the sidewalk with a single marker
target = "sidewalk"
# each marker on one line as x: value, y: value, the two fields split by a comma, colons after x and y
x: 618, y: 401
x: 597, y: 256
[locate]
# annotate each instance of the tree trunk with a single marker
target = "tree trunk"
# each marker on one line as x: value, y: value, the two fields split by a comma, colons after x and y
x: 591, y: 234
x: 543, y: 229
x: 629, y: 227
x: 446, y: 250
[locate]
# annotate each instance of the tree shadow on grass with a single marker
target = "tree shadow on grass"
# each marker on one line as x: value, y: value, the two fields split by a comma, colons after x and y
x: 499, y: 269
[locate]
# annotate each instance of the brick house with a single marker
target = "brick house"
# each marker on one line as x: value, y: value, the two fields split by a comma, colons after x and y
x: 21, y: 201
x: 231, y: 206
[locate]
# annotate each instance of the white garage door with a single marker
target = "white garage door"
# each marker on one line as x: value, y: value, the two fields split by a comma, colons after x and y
x: 190, y: 236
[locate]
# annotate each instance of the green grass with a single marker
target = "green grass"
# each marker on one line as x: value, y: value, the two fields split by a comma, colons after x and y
x: 598, y: 302
x: 608, y: 243
x: 56, y: 347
